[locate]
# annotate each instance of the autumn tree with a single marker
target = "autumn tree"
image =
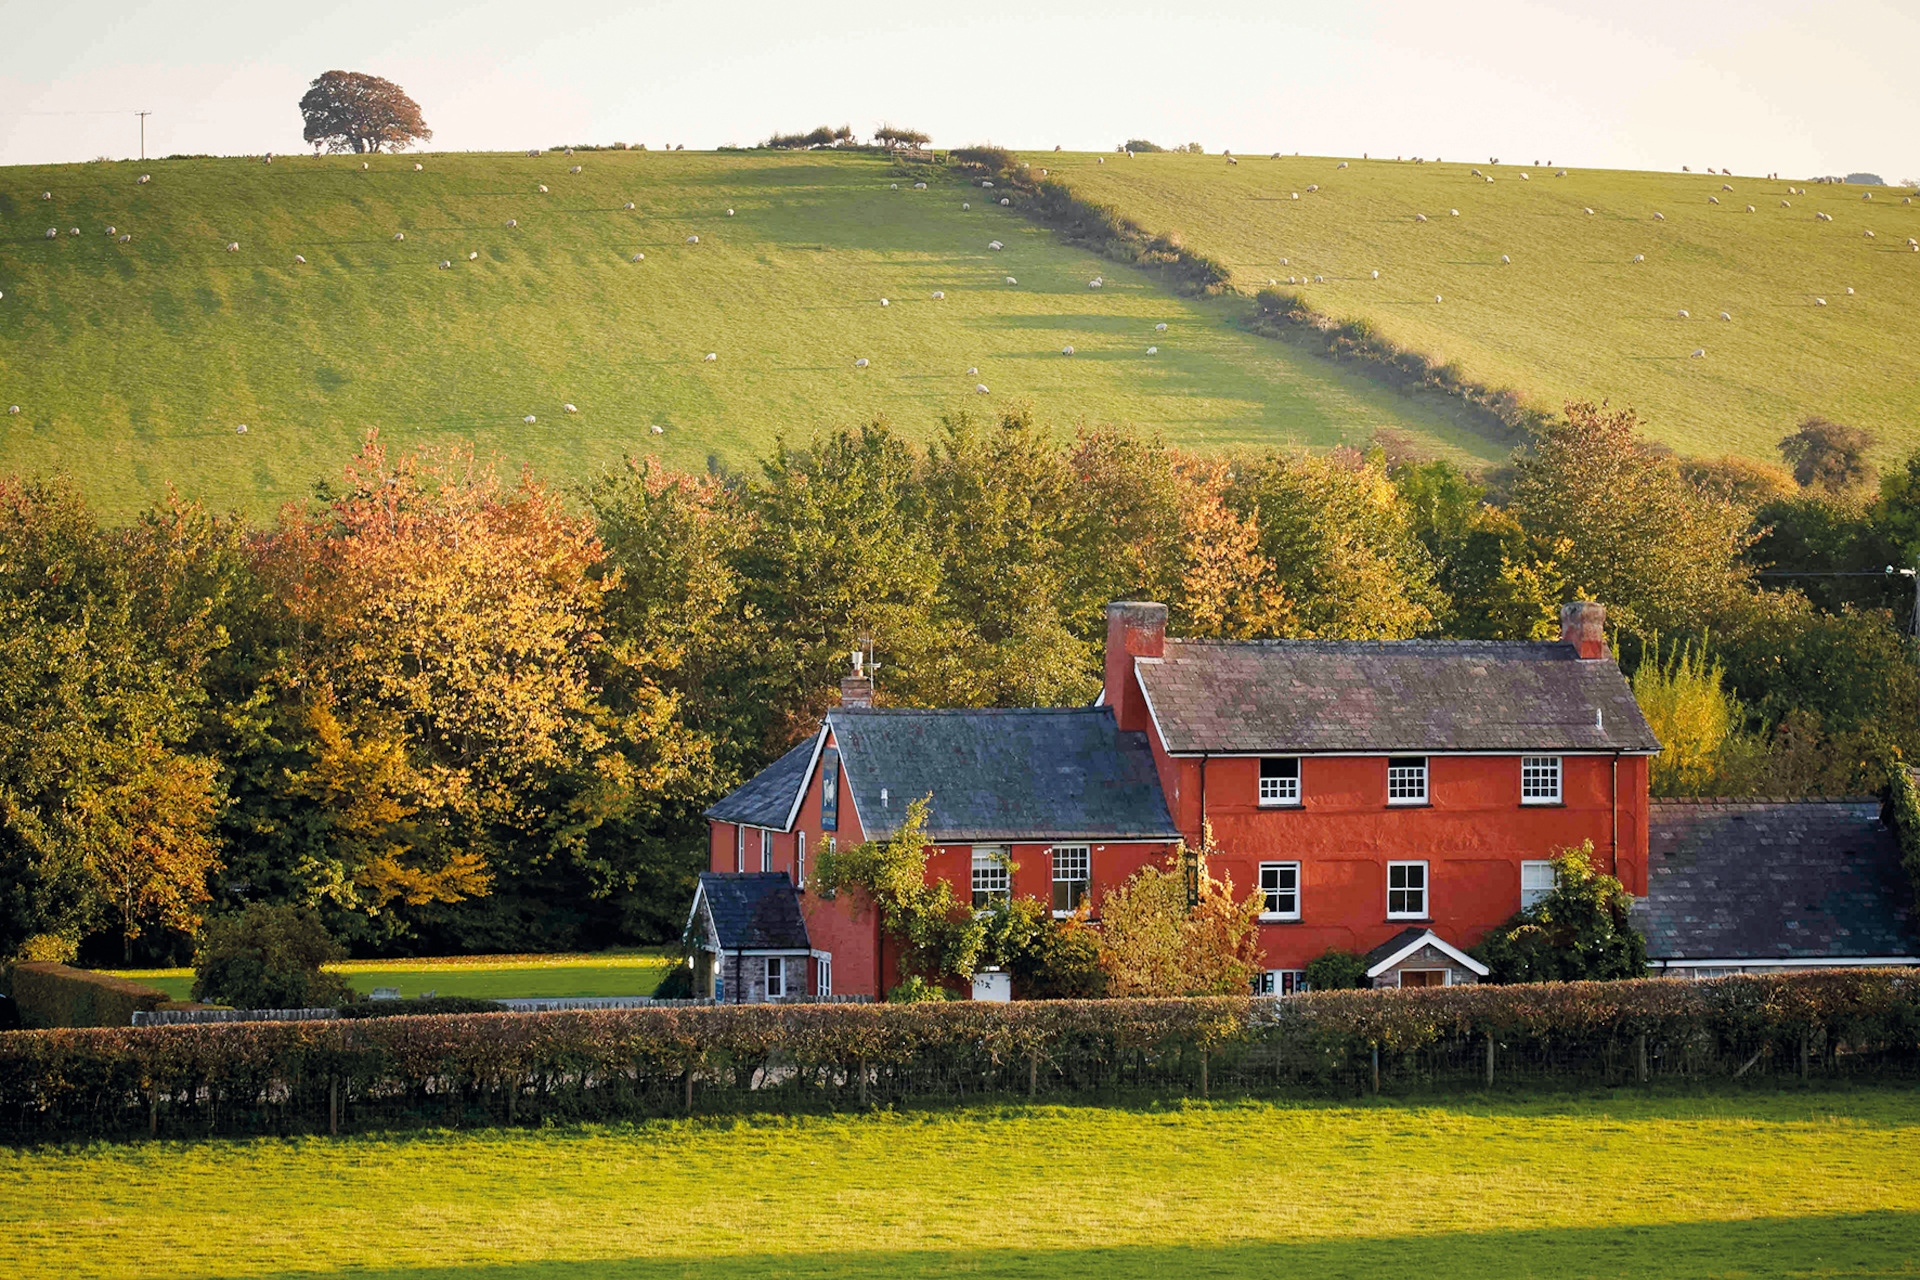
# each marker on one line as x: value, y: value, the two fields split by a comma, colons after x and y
x: 1177, y: 931
x: 1580, y: 931
x: 1829, y: 455
x: 353, y: 111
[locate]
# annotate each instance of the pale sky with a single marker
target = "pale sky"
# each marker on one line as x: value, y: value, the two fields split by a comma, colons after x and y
x: 1751, y: 85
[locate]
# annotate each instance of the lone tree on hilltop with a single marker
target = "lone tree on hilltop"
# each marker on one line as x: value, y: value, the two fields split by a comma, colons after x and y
x: 895, y: 138
x: 353, y: 111
x: 1829, y: 455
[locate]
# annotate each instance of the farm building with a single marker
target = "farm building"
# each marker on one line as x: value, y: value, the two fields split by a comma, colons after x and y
x: 1395, y: 799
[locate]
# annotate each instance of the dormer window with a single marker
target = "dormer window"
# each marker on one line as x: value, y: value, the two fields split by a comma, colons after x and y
x: 1279, y: 780
x: 1406, y: 780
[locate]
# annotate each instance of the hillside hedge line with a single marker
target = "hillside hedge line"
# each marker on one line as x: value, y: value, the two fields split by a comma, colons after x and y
x: 53, y: 995
x: 529, y: 1068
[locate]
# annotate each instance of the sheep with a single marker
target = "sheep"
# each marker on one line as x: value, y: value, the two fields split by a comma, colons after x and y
x: 994, y: 244
x: 1011, y: 280
x: 1525, y: 176
x: 693, y: 239
x: 1750, y: 209
x: 964, y: 206
x: 628, y: 206
x: 1437, y: 298
x: 986, y: 183
x: 233, y: 246
x: 1785, y: 205
x: 1639, y: 257
x: 1819, y: 302
x: 240, y: 430
x: 861, y: 363
x: 1911, y: 242
x: 1698, y: 352
x: 1291, y: 280
x: 575, y: 169
x: 1849, y: 291
x: 1161, y: 327
x: 1870, y: 235
x: 365, y: 165
x: 893, y: 186
x: 1659, y: 217
x: 1726, y: 186
x: 710, y: 357
x: 529, y: 419
x: 1725, y: 316
x: 543, y: 188
x: 1230, y: 160
x: 418, y: 167
x: 1295, y: 195
x: 473, y: 257
x: 13, y: 408
x: 1713, y: 199
x: 533, y: 154
x: 1419, y: 217
x: 1453, y: 213
x: 1823, y: 217
x: 1561, y: 174
x: 973, y: 373
x: 1505, y: 261
x: 1341, y: 165
x: 1096, y: 283
x: 399, y: 235
x: 446, y: 264
x: 111, y: 231
x: 1005, y: 200
x: 299, y: 259
x: 1312, y: 187
x: 1376, y: 273
x: 979, y: 388
x: 53, y: 233
x: 1867, y: 196
x: 1319, y: 279
x: 1683, y: 314
x: 569, y: 408
x: 125, y: 238
x: 921, y: 186
x: 46, y: 195
x: 885, y: 303
x: 638, y: 257
x: 1153, y: 351
x: 145, y: 178
x: 1489, y: 179
x: 1588, y: 211
x: 655, y: 428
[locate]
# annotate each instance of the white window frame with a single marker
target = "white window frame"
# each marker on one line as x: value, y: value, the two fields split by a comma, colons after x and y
x: 1284, y: 793
x: 823, y: 975
x: 766, y: 848
x: 799, y: 859
x: 992, y: 860
x: 1535, y: 771
x: 1084, y: 854
x: 1407, y: 772
x: 739, y: 847
x: 1267, y: 895
x: 1425, y: 891
x: 1530, y: 894
x: 776, y: 969
x: 1281, y: 982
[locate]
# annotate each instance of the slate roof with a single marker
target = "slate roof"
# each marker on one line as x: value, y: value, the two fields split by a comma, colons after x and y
x: 1031, y: 774
x: 1307, y: 696
x: 1774, y: 879
x: 753, y: 910
x: 766, y: 798
x: 1394, y: 944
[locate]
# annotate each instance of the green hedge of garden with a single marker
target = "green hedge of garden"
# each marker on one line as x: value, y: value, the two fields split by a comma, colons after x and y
x: 53, y: 995
x: 607, y: 1064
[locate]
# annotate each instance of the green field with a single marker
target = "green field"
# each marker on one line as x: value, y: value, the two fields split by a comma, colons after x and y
x: 484, y: 977
x: 134, y: 363
x: 1573, y: 315
x: 1803, y: 1183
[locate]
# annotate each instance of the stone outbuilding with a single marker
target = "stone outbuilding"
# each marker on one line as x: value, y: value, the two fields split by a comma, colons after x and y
x: 749, y: 940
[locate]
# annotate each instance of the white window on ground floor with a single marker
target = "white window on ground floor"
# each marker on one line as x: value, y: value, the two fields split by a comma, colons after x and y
x: 1071, y: 878
x: 776, y: 977
x: 1280, y: 982
x: 991, y: 880
x: 823, y: 976
x: 1536, y: 882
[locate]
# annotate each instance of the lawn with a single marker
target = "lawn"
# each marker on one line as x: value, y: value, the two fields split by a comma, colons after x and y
x: 133, y: 364
x: 1573, y: 315
x: 634, y: 973
x: 1817, y: 1182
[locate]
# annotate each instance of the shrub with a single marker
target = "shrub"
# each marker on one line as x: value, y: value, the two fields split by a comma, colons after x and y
x: 53, y: 995
x: 1337, y: 970
x: 917, y: 990
x: 677, y: 985
x: 988, y: 159
x: 1139, y: 144
x: 268, y: 957
x: 1062, y: 963
x: 1578, y: 932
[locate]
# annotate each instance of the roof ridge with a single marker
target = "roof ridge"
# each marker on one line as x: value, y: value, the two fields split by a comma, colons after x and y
x: 969, y: 711
x: 1730, y: 801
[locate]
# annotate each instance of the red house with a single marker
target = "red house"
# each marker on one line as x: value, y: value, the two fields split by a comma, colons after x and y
x: 1392, y: 798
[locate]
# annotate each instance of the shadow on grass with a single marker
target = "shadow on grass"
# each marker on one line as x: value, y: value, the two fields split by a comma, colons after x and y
x: 1868, y: 1244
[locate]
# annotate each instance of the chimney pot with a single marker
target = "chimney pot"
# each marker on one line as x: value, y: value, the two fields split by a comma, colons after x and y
x: 1583, y: 624
x: 1135, y: 629
x: 857, y: 689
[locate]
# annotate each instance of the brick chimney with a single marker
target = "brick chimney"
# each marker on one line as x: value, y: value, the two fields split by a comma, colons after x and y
x: 1583, y: 624
x: 857, y: 689
x: 1135, y: 629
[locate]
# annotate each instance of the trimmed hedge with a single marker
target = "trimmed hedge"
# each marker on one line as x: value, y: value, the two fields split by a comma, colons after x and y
x: 483, y: 1069
x: 54, y: 995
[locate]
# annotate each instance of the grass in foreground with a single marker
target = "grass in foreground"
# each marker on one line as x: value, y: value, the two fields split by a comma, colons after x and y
x: 1807, y: 1182
x: 1573, y: 315
x: 485, y: 977
x: 133, y: 363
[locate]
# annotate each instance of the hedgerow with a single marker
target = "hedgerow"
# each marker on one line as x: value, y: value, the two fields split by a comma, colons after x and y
x: 534, y: 1068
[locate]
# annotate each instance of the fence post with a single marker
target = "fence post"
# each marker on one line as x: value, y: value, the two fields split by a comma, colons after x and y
x: 1489, y: 1059
x: 687, y: 1076
x: 1376, y: 1066
x: 333, y: 1106
x: 1640, y: 1055
x: 153, y: 1111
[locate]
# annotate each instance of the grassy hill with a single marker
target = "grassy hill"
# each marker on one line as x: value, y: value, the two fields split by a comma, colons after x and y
x: 134, y: 363
x: 1573, y: 314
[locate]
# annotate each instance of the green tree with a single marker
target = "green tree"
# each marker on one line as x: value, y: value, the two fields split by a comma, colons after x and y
x: 1578, y: 932
x: 353, y: 111
x: 1693, y: 715
x: 268, y: 956
x: 1829, y: 455
x: 939, y: 936
x: 1177, y: 931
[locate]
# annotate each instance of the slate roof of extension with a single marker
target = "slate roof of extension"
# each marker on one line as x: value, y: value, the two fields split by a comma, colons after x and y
x: 1307, y: 696
x: 1038, y: 774
x: 765, y: 799
x: 1774, y: 879
x: 753, y: 910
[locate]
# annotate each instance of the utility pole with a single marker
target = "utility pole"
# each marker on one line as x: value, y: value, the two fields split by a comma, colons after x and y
x: 143, y: 132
